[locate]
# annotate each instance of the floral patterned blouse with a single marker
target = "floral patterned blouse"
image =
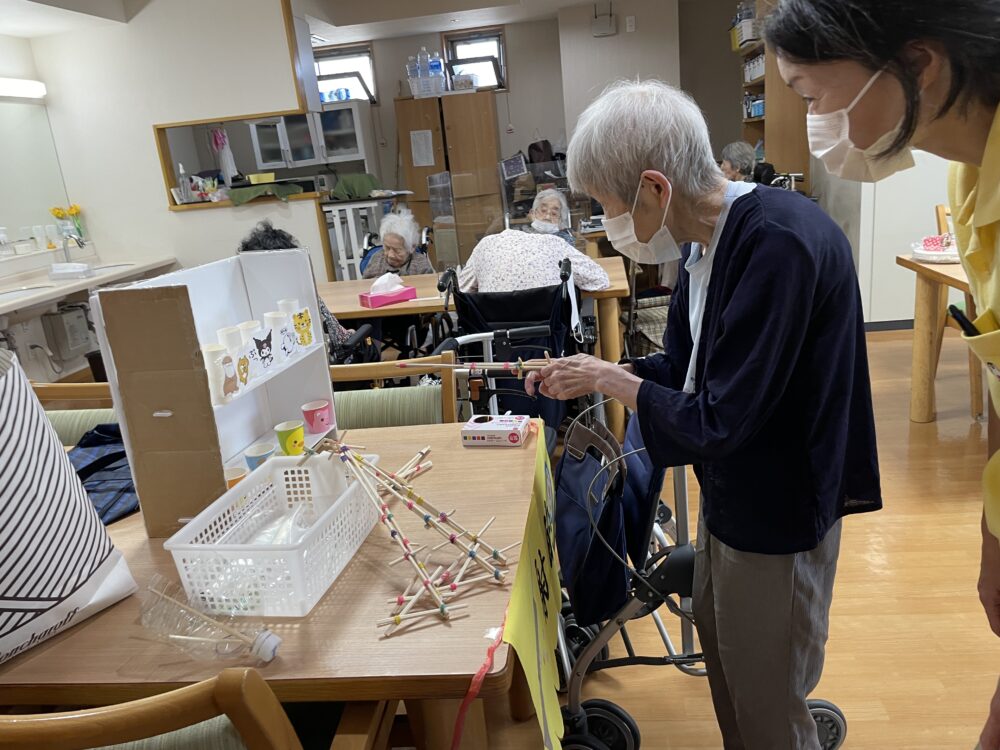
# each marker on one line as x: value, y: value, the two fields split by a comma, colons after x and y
x: 514, y: 260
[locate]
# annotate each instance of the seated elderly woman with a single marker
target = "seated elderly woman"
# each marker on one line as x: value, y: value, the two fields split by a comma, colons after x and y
x: 550, y: 215
x: 400, y: 235
x: 738, y: 161
x: 763, y: 386
x: 514, y: 260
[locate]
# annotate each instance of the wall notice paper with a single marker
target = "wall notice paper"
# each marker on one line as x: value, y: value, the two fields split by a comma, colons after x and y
x: 422, y: 148
x: 59, y: 565
x: 535, y: 601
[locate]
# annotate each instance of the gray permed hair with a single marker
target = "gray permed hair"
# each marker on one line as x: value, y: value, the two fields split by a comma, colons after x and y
x: 403, y: 225
x: 742, y: 156
x: 634, y: 126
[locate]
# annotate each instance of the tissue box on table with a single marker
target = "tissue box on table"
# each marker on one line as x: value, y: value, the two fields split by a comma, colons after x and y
x: 381, y: 299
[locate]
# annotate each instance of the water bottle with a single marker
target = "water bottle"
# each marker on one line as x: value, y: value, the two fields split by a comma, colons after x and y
x: 436, y: 68
x: 167, y: 612
x: 413, y: 75
x: 423, y: 63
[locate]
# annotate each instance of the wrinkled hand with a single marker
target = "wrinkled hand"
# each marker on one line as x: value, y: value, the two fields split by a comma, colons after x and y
x: 572, y: 377
x: 989, y: 578
x: 990, y: 737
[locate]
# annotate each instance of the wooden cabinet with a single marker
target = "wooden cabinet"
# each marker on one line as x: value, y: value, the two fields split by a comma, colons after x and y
x: 457, y: 134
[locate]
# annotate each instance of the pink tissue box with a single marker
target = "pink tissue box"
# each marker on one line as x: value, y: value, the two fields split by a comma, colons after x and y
x: 371, y: 301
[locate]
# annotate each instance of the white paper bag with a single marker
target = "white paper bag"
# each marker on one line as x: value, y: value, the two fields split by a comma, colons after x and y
x: 57, y: 563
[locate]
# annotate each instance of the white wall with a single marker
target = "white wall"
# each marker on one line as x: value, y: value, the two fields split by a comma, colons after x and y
x: 16, y: 60
x: 107, y: 88
x: 589, y: 64
x: 710, y: 71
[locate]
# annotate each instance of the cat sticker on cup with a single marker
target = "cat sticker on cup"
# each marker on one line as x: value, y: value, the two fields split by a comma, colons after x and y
x: 302, y: 321
x: 291, y: 437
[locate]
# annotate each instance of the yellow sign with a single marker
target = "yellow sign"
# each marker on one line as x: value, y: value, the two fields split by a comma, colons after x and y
x: 535, y: 601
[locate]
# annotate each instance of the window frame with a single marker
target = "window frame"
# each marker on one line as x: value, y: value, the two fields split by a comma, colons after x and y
x: 450, y: 38
x: 353, y: 49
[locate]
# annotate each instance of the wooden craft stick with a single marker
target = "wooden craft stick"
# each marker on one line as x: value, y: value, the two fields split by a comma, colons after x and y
x: 415, y: 549
x: 413, y: 615
x: 509, y: 547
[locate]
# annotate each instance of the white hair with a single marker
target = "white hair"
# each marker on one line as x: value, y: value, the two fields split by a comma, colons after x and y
x: 638, y: 125
x: 742, y: 156
x: 403, y: 225
x: 557, y: 195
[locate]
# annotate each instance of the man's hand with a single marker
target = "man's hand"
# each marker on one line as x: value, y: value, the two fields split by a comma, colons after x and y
x: 572, y: 377
x: 989, y: 578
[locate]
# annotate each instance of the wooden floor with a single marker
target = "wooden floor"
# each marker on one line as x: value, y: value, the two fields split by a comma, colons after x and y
x: 911, y: 660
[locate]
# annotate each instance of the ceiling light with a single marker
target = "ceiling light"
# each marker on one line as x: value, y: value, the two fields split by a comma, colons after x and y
x: 22, y: 88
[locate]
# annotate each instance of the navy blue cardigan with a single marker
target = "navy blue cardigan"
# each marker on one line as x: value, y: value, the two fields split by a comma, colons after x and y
x: 780, y: 427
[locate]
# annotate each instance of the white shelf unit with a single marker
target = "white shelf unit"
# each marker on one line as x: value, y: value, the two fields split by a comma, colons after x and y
x: 339, y: 132
x: 160, y: 390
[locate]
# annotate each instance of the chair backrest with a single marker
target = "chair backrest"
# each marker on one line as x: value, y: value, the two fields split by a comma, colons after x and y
x: 943, y: 215
x: 240, y: 694
x: 73, y: 395
x: 437, y: 365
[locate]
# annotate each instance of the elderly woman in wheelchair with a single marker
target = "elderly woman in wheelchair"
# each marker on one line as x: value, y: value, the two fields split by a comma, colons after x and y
x: 398, y: 254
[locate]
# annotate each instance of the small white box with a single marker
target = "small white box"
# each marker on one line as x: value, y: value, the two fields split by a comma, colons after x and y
x: 509, y: 430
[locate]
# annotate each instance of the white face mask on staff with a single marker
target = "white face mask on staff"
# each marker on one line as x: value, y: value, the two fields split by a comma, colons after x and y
x: 661, y: 248
x: 830, y: 142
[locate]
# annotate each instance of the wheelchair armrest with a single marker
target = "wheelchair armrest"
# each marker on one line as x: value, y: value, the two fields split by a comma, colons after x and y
x: 530, y: 332
x: 359, y: 335
x: 448, y: 345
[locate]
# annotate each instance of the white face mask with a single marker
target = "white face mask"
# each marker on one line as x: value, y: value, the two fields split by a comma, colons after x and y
x: 544, y: 227
x: 830, y: 142
x: 661, y: 248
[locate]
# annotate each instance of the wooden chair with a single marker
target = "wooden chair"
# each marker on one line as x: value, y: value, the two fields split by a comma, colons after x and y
x: 393, y: 407
x: 252, y: 713
x: 75, y: 408
x: 976, y: 401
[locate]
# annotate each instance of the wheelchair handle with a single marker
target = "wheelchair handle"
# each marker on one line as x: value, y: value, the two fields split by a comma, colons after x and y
x: 530, y: 332
x: 565, y: 269
x: 448, y: 279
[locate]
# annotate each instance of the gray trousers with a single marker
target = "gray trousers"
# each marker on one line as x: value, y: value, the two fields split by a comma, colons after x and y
x: 763, y: 622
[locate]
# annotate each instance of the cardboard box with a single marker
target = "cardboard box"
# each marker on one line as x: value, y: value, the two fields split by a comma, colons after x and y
x: 371, y: 301
x: 151, y: 334
x: 506, y: 431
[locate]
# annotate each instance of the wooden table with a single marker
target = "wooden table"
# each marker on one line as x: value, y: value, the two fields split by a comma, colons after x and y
x: 593, y: 240
x: 929, y: 314
x: 336, y: 652
x: 342, y: 299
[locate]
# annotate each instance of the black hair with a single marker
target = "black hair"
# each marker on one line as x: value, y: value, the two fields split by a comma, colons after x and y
x: 265, y: 237
x: 875, y: 33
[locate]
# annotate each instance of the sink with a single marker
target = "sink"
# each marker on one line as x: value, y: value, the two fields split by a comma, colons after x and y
x: 27, y: 291
x: 113, y: 267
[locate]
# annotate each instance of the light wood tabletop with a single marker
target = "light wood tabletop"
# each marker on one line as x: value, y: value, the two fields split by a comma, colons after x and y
x: 950, y: 274
x: 342, y: 296
x: 336, y: 652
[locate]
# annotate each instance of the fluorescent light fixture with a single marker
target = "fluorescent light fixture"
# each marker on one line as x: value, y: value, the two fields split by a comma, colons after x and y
x: 22, y: 88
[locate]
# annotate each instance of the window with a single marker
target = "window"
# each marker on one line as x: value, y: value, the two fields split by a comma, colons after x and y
x: 478, y: 51
x: 350, y: 68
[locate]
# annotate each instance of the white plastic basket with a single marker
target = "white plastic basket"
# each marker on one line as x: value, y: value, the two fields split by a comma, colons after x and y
x: 226, y: 574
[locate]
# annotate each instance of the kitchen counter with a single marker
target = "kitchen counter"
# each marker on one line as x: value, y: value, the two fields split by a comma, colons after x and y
x: 36, y: 289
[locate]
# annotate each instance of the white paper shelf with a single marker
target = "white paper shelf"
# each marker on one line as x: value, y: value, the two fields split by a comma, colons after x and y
x: 269, y: 375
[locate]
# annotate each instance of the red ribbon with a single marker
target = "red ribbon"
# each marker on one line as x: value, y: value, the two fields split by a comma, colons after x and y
x: 476, y: 686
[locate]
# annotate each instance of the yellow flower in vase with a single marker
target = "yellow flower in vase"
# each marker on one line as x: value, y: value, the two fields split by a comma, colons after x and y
x: 73, y: 210
x: 58, y: 212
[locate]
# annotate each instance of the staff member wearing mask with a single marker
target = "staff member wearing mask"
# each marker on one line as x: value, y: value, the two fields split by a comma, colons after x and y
x: 763, y: 386
x: 884, y: 76
x: 550, y: 215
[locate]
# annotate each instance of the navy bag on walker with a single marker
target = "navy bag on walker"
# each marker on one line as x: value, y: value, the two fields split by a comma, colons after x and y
x: 597, y: 582
x: 100, y: 462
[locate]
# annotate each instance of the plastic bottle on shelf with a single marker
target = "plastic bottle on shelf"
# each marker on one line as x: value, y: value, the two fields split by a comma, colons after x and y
x: 413, y: 74
x: 184, y: 185
x: 167, y: 612
x: 436, y: 67
x: 423, y: 63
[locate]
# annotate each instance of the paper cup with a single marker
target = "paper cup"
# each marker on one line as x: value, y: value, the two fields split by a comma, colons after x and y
x: 234, y: 475
x: 289, y: 306
x: 276, y: 320
x: 318, y: 416
x: 257, y: 454
x: 213, y: 354
x: 230, y: 338
x: 291, y: 437
x: 247, y: 329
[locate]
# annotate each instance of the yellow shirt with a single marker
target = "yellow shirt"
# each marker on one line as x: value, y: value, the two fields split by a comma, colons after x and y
x: 974, y: 193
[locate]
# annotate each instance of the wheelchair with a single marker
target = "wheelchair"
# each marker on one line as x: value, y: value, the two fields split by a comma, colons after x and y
x: 371, y: 247
x: 505, y: 327
x: 661, y: 574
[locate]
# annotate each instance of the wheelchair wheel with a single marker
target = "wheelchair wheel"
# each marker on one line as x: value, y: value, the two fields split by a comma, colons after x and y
x: 582, y: 742
x: 831, y: 724
x: 611, y: 724
x: 579, y: 637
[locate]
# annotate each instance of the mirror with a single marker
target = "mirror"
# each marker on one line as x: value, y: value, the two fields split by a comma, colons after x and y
x: 30, y: 179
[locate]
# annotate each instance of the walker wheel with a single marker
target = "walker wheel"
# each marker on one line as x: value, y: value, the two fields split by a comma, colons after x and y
x: 579, y: 637
x: 582, y: 742
x: 831, y: 725
x: 611, y: 724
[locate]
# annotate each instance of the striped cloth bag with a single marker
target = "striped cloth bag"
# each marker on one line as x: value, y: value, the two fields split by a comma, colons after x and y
x: 57, y: 563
